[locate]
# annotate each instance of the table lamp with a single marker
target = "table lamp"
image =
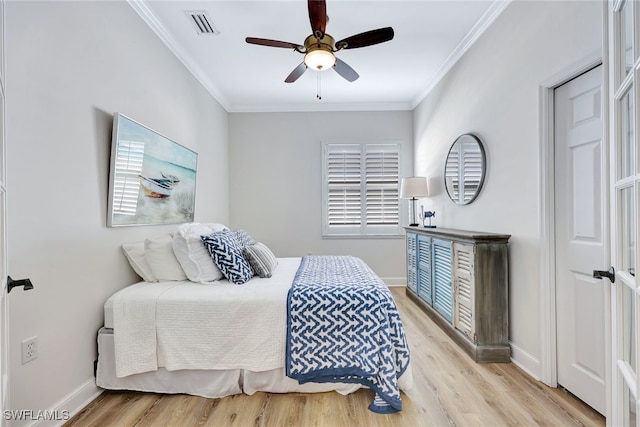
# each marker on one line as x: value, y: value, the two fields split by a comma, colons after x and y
x: 413, y: 188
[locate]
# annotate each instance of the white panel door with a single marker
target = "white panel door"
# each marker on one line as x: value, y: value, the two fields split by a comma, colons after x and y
x: 580, y: 238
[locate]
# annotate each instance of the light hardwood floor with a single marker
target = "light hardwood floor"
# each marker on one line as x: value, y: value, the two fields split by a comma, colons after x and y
x: 449, y: 390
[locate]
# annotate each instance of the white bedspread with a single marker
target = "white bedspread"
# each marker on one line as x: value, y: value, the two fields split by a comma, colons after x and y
x: 186, y: 325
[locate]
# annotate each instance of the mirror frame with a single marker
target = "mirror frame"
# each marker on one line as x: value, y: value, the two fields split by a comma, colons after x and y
x: 463, y: 139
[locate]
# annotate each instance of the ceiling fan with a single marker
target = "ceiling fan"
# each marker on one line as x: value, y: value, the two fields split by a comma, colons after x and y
x: 319, y: 48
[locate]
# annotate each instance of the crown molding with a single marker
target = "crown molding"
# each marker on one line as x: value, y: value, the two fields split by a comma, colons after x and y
x: 320, y: 106
x: 152, y: 20
x: 485, y: 21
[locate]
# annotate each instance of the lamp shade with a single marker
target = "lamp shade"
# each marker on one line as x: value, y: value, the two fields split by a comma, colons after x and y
x: 414, y: 187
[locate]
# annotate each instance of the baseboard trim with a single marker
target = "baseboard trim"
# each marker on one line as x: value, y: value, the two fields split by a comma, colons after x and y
x: 525, y: 361
x: 394, y: 282
x: 72, y: 404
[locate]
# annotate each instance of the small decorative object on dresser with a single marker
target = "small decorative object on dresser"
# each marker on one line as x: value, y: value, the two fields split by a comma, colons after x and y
x: 460, y: 279
x: 430, y: 215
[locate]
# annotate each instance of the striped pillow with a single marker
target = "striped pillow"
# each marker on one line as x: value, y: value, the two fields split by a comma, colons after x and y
x: 261, y: 259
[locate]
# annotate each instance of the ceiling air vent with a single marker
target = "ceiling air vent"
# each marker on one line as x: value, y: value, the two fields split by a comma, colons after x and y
x: 202, y: 22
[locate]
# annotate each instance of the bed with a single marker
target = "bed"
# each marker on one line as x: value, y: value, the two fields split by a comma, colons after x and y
x: 272, y: 334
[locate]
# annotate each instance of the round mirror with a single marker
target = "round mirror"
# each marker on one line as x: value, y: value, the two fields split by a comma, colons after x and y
x: 464, y: 169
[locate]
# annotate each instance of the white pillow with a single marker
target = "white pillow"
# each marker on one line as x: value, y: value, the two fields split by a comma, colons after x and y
x: 138, y: 261
x: 192, y: 254
x: 161, y: 259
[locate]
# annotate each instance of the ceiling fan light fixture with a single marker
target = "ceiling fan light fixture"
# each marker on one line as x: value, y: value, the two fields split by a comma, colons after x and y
x: 319, y: 47
x: 320, y: 59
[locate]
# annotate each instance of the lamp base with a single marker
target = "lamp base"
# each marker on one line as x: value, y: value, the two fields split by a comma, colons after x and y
x: 429, y: 226
x: 413, y: 225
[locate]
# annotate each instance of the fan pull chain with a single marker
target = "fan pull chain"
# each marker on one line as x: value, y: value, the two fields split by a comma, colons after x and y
x: 318, y: 86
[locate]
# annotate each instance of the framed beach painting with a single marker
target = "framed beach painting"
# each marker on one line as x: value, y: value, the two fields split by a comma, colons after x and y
x: 152, y: 179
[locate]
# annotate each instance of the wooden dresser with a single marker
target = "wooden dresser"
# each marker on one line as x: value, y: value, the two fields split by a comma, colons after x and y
x: 460, y: 279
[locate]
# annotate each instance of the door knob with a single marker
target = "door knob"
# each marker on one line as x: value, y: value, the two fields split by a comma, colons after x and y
x: 611, y: 274
x: 16, y: 283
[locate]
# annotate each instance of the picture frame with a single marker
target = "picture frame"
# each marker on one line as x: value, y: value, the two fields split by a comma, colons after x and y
x: 152, y: 179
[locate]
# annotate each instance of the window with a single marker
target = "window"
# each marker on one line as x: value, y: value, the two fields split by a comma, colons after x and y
x: 360, y: 189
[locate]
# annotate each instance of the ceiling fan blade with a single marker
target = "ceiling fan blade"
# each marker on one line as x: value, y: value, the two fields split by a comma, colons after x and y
x: 296, y: 73
x: 318, y: 17
x: 367, y: 38
x: 273, y: 43
x: 345, y: 70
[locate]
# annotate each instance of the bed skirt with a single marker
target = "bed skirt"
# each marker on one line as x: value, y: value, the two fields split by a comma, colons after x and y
x: 206, y: 383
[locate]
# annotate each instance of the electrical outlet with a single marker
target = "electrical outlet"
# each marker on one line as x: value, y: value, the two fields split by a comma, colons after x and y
x: 29, y: 349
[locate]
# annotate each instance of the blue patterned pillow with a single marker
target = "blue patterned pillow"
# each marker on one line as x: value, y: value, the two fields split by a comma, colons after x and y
x: 226, y: 252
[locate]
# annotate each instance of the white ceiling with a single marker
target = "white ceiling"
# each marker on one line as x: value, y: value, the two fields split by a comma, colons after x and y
x: 429, y: 37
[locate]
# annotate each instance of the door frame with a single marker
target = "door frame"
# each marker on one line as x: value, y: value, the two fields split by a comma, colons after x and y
x: 548, y: 349
x: 4, y: 247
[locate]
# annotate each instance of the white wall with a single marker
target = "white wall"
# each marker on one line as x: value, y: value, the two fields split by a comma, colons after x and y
x: 276, y: 176
x: 493, y: 92
x: 70, y: 66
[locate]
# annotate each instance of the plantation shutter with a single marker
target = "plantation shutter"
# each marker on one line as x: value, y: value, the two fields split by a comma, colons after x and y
x: 472, y: 169
x: 126, y: 184
x: 382, y: 186
x: 464, y: 165
x: 360, y: 192
x: 452, y: 174
x: 344, y: 189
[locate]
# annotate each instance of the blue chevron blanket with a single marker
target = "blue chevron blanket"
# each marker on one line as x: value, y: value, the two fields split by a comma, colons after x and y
x: 343, y: 326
